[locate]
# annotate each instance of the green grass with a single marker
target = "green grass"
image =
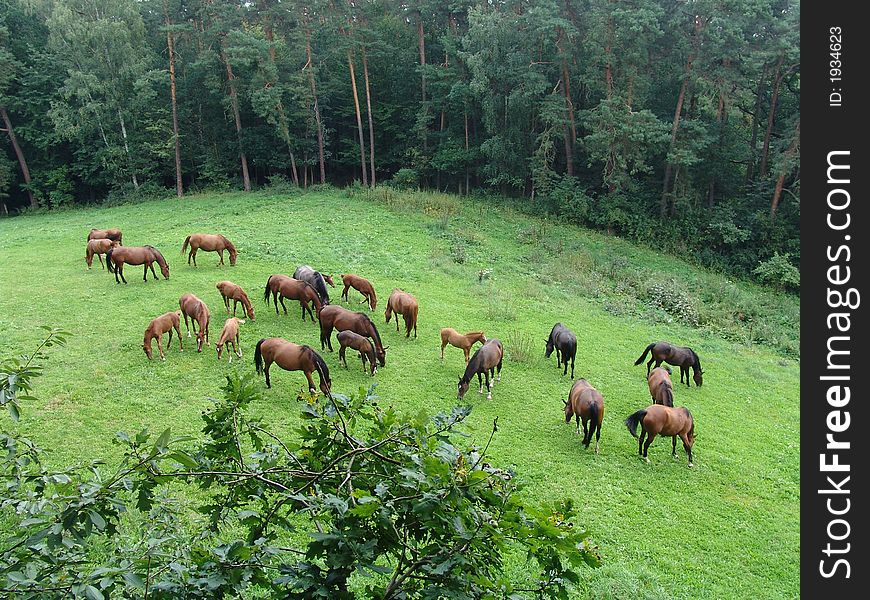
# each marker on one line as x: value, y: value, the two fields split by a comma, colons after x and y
x: 728, y: 528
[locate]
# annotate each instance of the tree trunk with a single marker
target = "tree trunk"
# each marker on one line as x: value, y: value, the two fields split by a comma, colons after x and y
x: 238, y: 118
x: 369, y: 112
x: 362, y: 147
x: 127, y: 149
x: 279, y: 107
x: 608, y: 69
x: 750, y: 168
x: 311, y: 83
x: 720, y: 122
x: 777, y: 193
x: 25, y: 172
x: 179, y: 188
x: 467, y: 173
x: 421, y: 44
x: 771, y: 115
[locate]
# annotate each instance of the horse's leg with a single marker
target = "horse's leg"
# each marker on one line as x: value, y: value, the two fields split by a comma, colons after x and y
x: 266, y: 371
x: 586, y: 437
x: 284, y: 306
x: 687, y: 376
x: 121, y: 268
x: 498, y: 368
x: 479, y: 384
x: 572, y: 365
x: 221, y: 254
x: 649, y: 440
x: 311, y: 387
x: 100, y: 256
x: 193, y: 252
x: 160, y: 345
x: 239, y: 344
x: 640, y: 440
x: 343, y: 295
x: 145, y: 273
x: 341, y: 353
x: 598, y: 431
x: 489, y: 385
x: 687, y: 446
x: 443, y: 344
x: 467, y: 354
x: 275, y: 299
x: 116, y: 272
x: 674, y: 450
x: 565, y: 371
x: 649, y: 365
x: 152, y: 270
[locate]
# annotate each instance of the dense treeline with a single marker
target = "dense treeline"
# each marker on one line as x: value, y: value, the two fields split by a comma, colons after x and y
x: 672, y: 122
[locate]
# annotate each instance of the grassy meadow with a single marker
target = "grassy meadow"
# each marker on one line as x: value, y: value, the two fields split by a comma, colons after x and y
x: 729, y: 528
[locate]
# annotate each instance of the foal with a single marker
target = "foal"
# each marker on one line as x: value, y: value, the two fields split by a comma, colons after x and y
x: 454, y: 338
x: 661, y: 389
x: 99, y: 247
x: 230, y: 335
x: 363, y: 344
x: 231, y: 291
x: 156, y: 329
x: 363, y: 286
x: 197, y: 310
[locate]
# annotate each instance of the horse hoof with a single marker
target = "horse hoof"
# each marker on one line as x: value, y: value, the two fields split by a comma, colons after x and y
x: 646, y: 459
x: 691, y: 465
x: 489, y: 396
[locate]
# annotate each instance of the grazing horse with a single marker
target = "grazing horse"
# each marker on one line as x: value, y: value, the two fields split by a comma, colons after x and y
x: 661, y: 389
x: 403, y: 303
x: 99, y: 247
x: 106, y: 234
x: 292, y: 357
x: 485, y: 361
x: 678, y: 356
x: 231, y: 291
x: 315, y: 279
x: 281, y: 286
x: 337, y: 317
x: 363, y: 344
x: 135, y: 255
x: 454, y: 338
x: 565, y: 343
x: 197, y: 310
x: 663, y: 420
x: 156, y: 329
x: 230, y: 335
x: 363, y: 286
x: 210, y: 242
x: 586, y: 403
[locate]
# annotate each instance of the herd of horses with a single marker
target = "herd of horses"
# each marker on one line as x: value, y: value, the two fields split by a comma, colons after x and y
x: 357, y: 331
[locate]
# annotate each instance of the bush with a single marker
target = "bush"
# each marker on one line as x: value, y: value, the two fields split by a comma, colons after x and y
x: 779, y: 271
x: 671, y: 297
x: 519, y: 346
x: 405, y: 178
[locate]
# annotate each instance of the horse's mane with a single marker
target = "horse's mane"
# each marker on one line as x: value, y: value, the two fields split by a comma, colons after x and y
x: 160, y: 258
x: 228, y: 243
x: 375, y: 335
x: 697, y: 360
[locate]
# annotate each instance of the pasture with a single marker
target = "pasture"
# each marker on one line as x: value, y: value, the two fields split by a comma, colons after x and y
x: 728, y: 528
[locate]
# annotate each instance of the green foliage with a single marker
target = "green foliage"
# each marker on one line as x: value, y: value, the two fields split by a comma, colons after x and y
x: 779, y: 271
x: 405, y: 178
x: 672, y: 297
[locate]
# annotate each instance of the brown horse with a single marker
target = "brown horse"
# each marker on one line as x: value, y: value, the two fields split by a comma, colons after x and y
x: 106, y: 234
x: 349, y: 339
x: 281, y: 286
x: 210, y: 242
x: 292, y: 357
x: 586, y: 403
x: 363, y: 286
x: 337, y: 317
x: 135, y: 255
x: 197, y: 310
x: 231, y: 291
x: 661, y: 389
x: 156, y: 329
x: 454, y: 338
x: 230, y: 335
x: 403, y: 303
x: 99, y: 247
x: 485, y: 361
x: 663, y: 420
x: 678, y: 356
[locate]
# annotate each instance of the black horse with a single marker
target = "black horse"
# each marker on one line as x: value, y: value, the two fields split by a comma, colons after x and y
x: 565, y: 343
x: 316, y: 280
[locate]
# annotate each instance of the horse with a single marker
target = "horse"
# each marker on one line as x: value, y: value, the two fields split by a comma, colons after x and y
x: 564, y: 342
x: 281, y: 286
x: 292, y: 357
x: 106, y: 234
x: 210, y: 242
x: 454, y: 338
x: 231, y: 291
x: 403, y: 303
x: 663, y: 420
x: 315, y: 279
x: 99, y: 247
x: 586, y: 403
x: 337, y: 317
x: 230, y: 335
x: 363, y: 344
x: 661, y: 389
x: 678, y: 356
x: 197, y: 310
x: 135, y: 255
x: 157, y: 327
x: 363, y: 286
x: 485, y: 361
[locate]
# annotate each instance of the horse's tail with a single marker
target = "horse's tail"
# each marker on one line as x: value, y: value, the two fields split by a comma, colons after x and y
x: 632, y: 421
x: 184, y: 246
x: 595, y: 418
x: 374, y: 297
x: 268, y: 289
x: 669, y: 394
x: 258, y: 356
x: 645, y: 352
x: 109, y: 260
x: 322, y: 369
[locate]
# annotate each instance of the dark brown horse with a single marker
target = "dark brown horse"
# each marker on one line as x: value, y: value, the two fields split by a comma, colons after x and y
x: 106, y: 234
x: 231, y: 291
x: 135, y: 255
x: 281, y: 286
x: 315, y: 279
x: 210, y: 242
x: 454, y: 338
x: 661, y: 389
x: 403, y: 303
x: 292, y: 357
x: 230, y: 335
x: 363, y: 286
x: 156, y: 329
x: 485, y: 361
x: 365, y: 347
x: 586, y: 403
x: 663, y: 420
x: 564, y: 342
x: 678, y: 356
x: 337, y: 317
x: 99, y: 247
x: 198, y: 312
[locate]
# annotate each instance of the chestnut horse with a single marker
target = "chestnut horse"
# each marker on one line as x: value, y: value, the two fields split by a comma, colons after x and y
x: 586, y: 403
x: 315, y: 279
x: 99, y: 247
x: 156, y: 329
x: 197, y: 310
x: 679, y: 356
x: 661, y: 389
x: 663, y: 420
x: 454, y: 338
x: 231, y: 291
x: 292, y: 357
x: 337, y: 317
x: 349, y: 339
x: 106, y: 234
x: 281, y: 286
x: 230, y: 335
x: 135, y: 255
x: 363, y: 286
x: 403, y: 303
x: 485, y: 361
x: 564, y: 342
x: 210, y: 242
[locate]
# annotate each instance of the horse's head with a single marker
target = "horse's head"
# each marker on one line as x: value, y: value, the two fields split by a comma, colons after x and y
x: 164, y: 268
x: 381, y: 353
x: 328, y: 279
x: 326, y: 387
x: 463, y: 387
x: 388, y: 313
x: 146, y: 346
x: 698, y: 377
x: 550, y: 346
x: 250, y: 311
x: 233, y: 255
x: 568, y: 411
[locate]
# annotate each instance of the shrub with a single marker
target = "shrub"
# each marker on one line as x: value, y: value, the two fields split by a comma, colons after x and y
x: 405, y: 178
x: 671, y: 297
x: 779, y: 271
x: 519, y: 346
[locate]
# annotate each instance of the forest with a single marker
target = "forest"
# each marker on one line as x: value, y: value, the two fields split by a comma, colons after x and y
x: 675, y: 123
